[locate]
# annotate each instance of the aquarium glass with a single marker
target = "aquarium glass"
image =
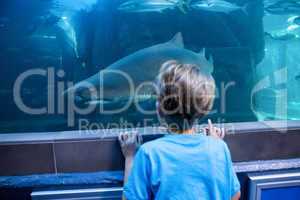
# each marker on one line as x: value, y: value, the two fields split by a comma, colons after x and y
x: 51, y: 53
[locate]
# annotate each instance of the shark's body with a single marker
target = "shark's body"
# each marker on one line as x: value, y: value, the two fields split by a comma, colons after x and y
x: 63, y: 7
x: 148, y: 5
x: 143, y: 66
x: 218, y: 6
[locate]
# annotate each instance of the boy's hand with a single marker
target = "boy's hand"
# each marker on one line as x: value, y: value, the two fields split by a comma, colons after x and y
x: 214, y: 131
x: 130, y: 142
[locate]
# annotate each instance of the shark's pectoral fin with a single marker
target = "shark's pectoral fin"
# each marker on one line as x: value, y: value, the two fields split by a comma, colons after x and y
x: 145, y: 97
x: 209, y: 64
x: 121, y: 100
x: 211, y: 60
x: 177, y: 40
x: 98, y: 102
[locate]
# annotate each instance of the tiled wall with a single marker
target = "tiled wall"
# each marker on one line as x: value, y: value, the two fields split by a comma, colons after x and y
x: 103, y: 154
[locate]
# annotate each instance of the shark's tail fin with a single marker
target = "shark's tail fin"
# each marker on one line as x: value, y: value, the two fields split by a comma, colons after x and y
x: 246, y: 8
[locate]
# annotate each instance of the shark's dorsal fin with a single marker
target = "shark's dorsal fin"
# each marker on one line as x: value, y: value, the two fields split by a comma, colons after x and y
x: 208, y: 63
x: 202, y: 52
x: 177, y: 40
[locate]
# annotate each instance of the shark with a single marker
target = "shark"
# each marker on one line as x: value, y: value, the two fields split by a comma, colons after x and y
x: 148, y: 5
x: 283, y: 7
x: 138, y: 6
x: 294, y: 20
x: 112, y: 84
x: 61, y: 7
x: 218, y: 6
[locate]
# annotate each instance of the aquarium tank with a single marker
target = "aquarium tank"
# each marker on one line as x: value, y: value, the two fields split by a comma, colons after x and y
x: 77, y: 64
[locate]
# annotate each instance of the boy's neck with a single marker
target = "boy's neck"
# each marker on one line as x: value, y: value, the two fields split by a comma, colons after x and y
x: 184, y: 132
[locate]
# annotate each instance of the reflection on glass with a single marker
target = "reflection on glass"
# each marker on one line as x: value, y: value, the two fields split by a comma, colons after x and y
x: 49, y: 48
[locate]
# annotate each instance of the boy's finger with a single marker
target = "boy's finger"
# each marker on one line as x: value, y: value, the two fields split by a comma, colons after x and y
x: 127, y: 137
x: 140, y: 139
x: 205, y: 131
x: 120, y: 138
x: 131, y: 138
x: 223, y: 132
x: 124, y: 137
x: 210, y: 126
x: 134, y: 136
x: 218, y: 132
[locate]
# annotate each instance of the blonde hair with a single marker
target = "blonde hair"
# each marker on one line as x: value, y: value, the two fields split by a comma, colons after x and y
x: 186, y: 92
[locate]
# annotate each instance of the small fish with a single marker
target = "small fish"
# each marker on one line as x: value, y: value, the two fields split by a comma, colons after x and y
x: 294, y: 20
x: 218, y: 6
x: 283, y: 7
x: 297, y: 77
x: 292, y: 27
x: 148, y: 5
x: 282, y: 35
x: 69, y: 33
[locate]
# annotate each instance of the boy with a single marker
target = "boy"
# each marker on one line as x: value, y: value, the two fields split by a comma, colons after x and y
x: 182, y: 165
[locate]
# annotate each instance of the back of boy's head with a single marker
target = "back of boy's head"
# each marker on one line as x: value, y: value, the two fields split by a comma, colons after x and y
x: 186, y: 93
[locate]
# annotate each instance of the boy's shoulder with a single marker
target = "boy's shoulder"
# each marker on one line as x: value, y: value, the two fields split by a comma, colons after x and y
x: 217, y: 141
x: 153, y: 144
x: 161, y: 143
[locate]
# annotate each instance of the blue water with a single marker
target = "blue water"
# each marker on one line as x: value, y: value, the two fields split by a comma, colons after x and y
x: 249, y: 44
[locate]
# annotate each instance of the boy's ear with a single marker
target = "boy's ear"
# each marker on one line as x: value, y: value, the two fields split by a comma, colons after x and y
x: 158, y: 109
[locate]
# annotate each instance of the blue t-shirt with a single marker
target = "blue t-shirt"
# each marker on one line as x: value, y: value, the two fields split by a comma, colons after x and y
x: 182, y: 167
